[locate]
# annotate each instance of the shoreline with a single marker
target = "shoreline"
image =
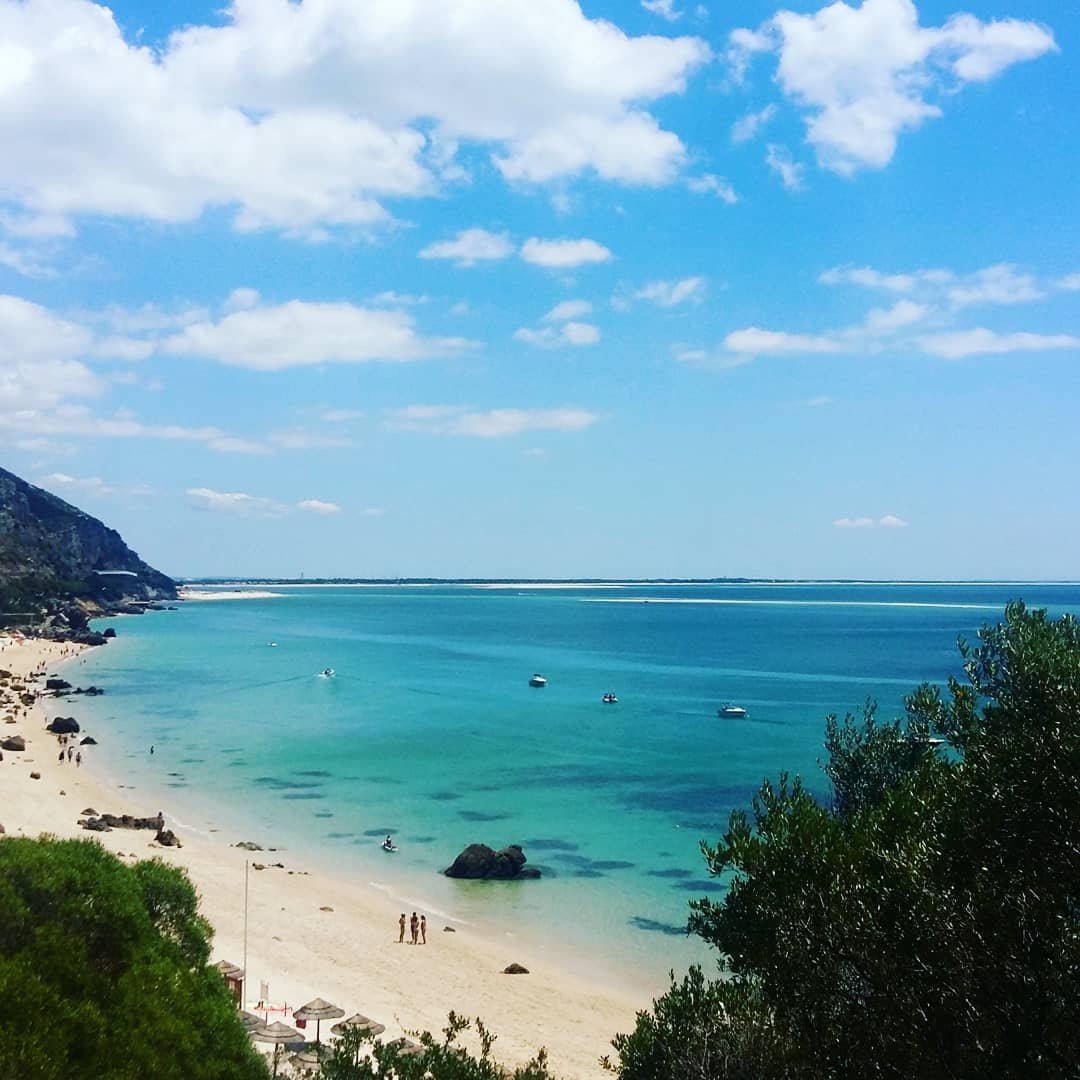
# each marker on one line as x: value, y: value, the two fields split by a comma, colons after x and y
x: 313, y: 933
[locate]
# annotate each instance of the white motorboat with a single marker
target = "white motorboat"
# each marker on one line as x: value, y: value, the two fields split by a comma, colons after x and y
x: 327, y: 673
x: 538, y: 680
x: 389, y: 846
x: 610, y: 699
x: 732, y: 711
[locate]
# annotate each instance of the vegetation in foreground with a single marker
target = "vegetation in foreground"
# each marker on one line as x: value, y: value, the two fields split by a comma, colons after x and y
x: 927, y: 924
x: 103, y: 971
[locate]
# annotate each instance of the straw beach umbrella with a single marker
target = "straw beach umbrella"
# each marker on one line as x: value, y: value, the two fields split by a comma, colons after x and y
x: 276, y: 1033
x: 318, y: 1010
x: 250, y: 1021
x: 363, y: 1024
x: 405, y: 1047
x: 310, y: 1058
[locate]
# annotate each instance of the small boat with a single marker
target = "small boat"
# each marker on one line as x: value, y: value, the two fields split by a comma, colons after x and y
x: 272, y: 644
x: 389, y: 846
x: 610, y: 699
x: 327, y: 673
x: 735, y: 711
x: 538, y: 680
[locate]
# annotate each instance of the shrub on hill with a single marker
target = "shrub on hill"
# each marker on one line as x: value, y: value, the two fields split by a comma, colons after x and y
x: 927, y: 924
x: 103, y: 972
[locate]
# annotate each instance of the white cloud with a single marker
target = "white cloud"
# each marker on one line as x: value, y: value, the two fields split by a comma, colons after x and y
x: 231, y: 444
x: 1071, y: 282
x: 563, y: 254
x: 709, y: 184
x: 392, y: 298
x: 300, y: 333
x: 373, y: 511
x: 492, y: 424
x: 236, y: 502
x: 889, y: 521
x: 241, y: 299
x: 317, y: 506
x: 958, y: 344
x: 341, y: 416
x: 666, y: 294
x: 568, y: 309
x: 471, y: 246
x: 309, y: 116
x: 747, y: 127
x: 308, y: 440
x: 779, y: 159
x: 551, y: 337
x: 1001, y: 284
x: 664, y: 8
x: 818, y: 402
x: 881, y: 322
x: 93, y: 485
x: 754, y: 341
x: 25, y: 262
x: 865, y: 74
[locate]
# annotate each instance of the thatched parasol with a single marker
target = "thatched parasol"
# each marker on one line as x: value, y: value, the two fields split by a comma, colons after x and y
x: 318, y: 1010
x: 405, y: 1047
x: 250, y: 1021
x: 361, y: 1023
x: 276, y: 1033
x: 311, y: 1058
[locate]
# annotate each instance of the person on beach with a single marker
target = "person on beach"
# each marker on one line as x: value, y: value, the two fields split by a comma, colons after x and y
x: 151, y: 748
x: 414, y: 927
x: 401, y: 928
x: 61, y: 757
x: 71, y: 752
x: 423, y: 929
x: 78, y: 759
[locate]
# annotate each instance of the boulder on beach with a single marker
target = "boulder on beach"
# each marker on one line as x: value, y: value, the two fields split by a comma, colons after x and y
x: 515, y: 969
x: 167, y: 838
x: 63, y: 725
x: 89, y: 812
x: 249, y: 845
x: 88, y: 741
x: 13, y: 742
x: 480, y: 861
x: 108, y: 632
x: 57, y: 684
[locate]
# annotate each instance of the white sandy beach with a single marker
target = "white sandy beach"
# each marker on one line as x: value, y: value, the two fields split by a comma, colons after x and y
x: 313, y: 935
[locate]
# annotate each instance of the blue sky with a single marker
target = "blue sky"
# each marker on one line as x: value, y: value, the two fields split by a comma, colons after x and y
x: 528, y: 287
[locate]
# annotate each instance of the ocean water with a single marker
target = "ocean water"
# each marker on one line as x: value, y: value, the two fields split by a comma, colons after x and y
x: 430, y: 731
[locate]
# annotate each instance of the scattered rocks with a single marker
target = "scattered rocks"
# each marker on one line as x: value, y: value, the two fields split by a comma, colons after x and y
x: 249, y: 845
x: 63, y: 725
x: 325, y: 908
x: 89, y: 740
x: 13, y: 742
x: 257, y: 866
x: 35, y: 776
x: 480, y: 861
x: 57, y: 684
x: 89, y: 812
x: 448, y: 930
x: 108, y: 632
x: 167, y: 838
x: 515, y: 969
x: 104, y: 822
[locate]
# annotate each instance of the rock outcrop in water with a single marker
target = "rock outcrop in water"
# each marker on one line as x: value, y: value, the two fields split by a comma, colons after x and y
x: 481, y: 862
x: 59, y: 567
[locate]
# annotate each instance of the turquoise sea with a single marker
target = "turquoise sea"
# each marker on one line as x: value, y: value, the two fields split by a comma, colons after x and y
x: 430, y: 731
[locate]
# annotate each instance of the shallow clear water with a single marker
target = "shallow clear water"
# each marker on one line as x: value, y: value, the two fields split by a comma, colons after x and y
x: 430, y: 731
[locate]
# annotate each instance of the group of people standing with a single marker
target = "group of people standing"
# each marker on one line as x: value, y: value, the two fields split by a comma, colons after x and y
x: 69, y: 751
x: 417, y: 928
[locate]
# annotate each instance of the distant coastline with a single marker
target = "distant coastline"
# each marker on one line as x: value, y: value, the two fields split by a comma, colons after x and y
x: 592, y: 582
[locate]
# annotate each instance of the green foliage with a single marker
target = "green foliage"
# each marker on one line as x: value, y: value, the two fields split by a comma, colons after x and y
x: 103, y: 972
x: 357, y: 1056
x: 927, y: 924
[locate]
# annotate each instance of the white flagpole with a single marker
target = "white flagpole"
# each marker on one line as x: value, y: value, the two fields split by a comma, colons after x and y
x: 243, y: 982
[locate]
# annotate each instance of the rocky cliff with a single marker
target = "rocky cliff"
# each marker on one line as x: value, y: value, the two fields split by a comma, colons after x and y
x: 56, y: 559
